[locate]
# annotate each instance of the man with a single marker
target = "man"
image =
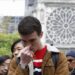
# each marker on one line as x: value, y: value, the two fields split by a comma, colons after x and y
x: 35, y: 58
x: 71, y: 61
x: 4, y: 64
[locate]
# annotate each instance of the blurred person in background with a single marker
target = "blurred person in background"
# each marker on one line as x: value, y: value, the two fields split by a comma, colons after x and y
x: 71, y: 61
x: 4, y: 64
x: 16, y: 47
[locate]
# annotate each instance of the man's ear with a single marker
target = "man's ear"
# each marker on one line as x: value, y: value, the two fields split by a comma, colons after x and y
x: 41, y: 34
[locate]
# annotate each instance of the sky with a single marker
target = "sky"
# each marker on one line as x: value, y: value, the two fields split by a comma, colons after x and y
x: 12, y: 7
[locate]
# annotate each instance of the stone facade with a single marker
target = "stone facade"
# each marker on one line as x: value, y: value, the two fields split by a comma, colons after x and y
x: 58, y: 21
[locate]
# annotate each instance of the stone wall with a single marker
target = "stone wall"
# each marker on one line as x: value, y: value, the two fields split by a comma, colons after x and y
x: 59, y: 33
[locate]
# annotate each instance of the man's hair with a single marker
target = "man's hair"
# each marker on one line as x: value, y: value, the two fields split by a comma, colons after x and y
x: 71, y: 53
x: 28, y: 25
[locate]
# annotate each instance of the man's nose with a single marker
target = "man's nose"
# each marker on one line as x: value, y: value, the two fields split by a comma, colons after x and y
x: 30, y: 46
x: 28, y: 43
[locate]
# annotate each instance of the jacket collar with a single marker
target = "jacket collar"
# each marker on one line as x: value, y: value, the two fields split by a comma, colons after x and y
x: 51, y: 48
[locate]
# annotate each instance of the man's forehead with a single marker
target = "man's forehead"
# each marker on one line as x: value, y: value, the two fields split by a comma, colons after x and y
x: 34, y: 33
x: 29, y: 36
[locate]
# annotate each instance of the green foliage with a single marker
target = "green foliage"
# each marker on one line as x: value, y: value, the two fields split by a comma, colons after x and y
x: 6, y: 41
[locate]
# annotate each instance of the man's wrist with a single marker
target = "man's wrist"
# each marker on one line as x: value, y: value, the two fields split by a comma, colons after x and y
x: 23, y: 66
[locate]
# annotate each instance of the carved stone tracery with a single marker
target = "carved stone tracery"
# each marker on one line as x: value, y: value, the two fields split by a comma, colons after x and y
x: 60, y: 26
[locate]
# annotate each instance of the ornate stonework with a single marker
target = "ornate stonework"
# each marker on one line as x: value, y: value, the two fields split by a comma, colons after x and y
x: 60, y: 26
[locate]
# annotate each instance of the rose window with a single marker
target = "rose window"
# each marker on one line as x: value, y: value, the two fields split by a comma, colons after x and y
x: 60, y: 26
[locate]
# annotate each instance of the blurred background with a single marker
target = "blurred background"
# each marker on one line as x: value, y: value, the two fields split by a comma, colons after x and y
x: 56, y: 16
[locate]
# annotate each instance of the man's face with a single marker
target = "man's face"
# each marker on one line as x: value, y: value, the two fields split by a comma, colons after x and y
x: 4, y: 67
x: 71, y: 62
x: 32, y: 40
